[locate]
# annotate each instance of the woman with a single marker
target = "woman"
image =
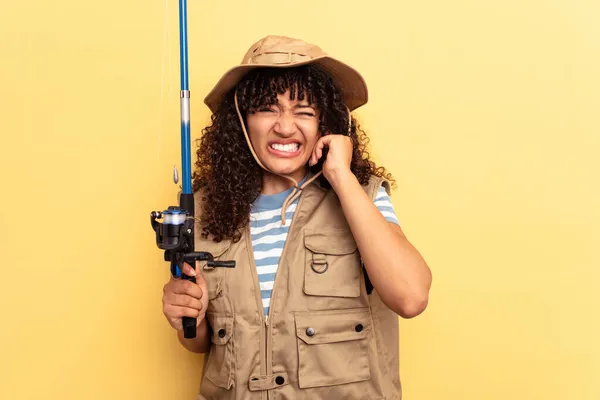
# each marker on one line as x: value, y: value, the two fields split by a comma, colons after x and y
x: 284, y: 187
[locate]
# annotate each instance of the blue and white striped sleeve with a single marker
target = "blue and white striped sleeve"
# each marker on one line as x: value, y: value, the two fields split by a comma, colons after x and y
x: 384, y: 204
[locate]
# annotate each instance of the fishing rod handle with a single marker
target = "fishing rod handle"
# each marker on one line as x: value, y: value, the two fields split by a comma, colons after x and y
x: 189, y: 323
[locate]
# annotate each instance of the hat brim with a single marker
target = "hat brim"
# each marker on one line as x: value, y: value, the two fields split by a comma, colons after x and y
x: 350, y: 82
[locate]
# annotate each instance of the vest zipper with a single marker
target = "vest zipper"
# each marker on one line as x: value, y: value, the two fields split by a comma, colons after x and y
x: 266, y: 358
x: 266, y: 339
x: 269, y: 332
x: 260, y: 308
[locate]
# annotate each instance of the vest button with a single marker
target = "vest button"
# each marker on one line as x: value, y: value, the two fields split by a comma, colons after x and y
x: 221, y: 333
x: 310, y: 331
x: 358, y: 328
x: 280, y: 380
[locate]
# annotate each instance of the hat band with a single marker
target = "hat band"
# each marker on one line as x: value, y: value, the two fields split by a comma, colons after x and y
x: 278, y: 58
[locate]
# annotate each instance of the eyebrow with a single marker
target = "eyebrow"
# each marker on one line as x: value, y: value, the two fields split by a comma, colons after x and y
x: 304, y: 106
x: 298, y: 106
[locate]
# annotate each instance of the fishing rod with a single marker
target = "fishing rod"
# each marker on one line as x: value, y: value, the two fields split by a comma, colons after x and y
x: 175, y: 235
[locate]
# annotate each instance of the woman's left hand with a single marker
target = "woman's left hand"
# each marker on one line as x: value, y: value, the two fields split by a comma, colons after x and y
x: 338, y: 158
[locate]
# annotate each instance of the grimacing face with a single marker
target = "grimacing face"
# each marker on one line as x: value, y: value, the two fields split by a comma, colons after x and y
x: 284, y: 135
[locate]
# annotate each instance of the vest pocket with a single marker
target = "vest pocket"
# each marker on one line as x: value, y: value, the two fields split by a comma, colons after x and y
x: 333, y: 347
x: 220, y: 366
x: 332, y: 263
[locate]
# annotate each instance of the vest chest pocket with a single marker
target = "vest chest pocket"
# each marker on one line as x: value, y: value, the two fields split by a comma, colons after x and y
x: 220, y: 365
x: 333, y: 347
x: 332, y: 263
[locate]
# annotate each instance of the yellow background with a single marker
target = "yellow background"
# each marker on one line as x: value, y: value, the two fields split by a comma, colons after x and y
x: 486, y: 112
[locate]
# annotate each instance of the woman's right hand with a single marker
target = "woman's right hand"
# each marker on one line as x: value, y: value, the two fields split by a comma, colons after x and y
x: 182, y: 298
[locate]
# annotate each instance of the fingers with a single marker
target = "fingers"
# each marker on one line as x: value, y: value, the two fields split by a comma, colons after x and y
x: 313, y: 159
x: 317, y: 152
x: 172, y: 311
x: 182, y: 300
x: 188, y: 270
x: 343, y: 148
x: 184, y: 287
x: 199, y: 277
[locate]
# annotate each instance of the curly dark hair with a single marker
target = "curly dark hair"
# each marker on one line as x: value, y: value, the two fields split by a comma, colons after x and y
x: 226, y: 171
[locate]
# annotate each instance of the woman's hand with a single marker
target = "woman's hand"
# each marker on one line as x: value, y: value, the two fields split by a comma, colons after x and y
x: 182, y: 298
x: 338, y: 159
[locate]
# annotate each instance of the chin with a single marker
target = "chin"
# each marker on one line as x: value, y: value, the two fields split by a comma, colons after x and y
x: 284, y: 169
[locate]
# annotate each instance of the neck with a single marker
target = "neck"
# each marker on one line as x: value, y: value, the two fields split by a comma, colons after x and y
x: 273, y: 184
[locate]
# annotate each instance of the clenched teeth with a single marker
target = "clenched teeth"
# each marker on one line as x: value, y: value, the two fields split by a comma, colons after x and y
x: 289, y: 148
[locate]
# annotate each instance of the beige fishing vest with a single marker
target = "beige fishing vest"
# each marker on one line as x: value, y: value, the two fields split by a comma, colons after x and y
x: 325, y: 337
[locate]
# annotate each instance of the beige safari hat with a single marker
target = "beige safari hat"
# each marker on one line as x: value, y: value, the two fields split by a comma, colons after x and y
x: 285, y: 52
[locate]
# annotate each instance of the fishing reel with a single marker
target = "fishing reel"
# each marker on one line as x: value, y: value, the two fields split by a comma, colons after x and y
x: 175, y: 235
x: 171, y: 235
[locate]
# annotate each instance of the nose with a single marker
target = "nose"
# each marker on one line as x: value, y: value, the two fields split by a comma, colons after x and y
x: 285, y: 125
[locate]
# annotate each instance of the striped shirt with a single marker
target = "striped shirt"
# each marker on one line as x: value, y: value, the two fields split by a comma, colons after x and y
x: 268, y: 234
